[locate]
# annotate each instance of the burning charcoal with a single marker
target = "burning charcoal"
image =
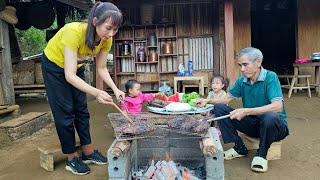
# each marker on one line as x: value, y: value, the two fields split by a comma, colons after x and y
x: 137, y: 128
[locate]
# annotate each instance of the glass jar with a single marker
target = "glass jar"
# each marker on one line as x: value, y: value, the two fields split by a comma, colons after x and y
x: 125, y: 49
x: 167, y: 48
x: 141, y: 55
x: 153, y: 55
x: 152, y: 39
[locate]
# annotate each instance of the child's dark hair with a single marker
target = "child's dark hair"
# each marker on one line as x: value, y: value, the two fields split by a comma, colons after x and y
x: 224, y: 80
x: 130, y: 83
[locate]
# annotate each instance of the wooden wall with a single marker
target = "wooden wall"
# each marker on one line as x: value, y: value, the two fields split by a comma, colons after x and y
x: 308, y: 27
x: 242, y: 32
x: 242, y: 28
x: 308, y: 35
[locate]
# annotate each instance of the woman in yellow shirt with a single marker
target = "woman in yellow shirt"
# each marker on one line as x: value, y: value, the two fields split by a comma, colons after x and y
x: 63, y: 73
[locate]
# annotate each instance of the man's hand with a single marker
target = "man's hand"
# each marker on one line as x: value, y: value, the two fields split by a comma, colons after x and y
x: 201, y: 102
x: 239, y: 114
x: 104, y: 98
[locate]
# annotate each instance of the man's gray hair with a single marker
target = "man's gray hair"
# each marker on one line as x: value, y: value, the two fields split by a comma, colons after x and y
x: 252, y: 53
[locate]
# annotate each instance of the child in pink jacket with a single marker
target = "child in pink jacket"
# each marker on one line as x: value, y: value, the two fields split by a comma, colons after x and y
x: 136, y: 97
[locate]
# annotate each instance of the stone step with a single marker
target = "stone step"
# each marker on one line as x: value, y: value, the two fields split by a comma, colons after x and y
x: 8, y: 112
x: 27, y: 124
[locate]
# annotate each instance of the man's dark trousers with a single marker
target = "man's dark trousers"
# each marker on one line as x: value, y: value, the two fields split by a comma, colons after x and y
x: 268, y: 127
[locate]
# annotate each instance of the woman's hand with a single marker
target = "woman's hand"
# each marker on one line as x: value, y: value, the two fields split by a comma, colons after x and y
x: 119, y: 93
x: 104, y: 98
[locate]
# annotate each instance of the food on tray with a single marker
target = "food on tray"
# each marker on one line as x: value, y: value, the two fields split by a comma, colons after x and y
x: 157, y: 103
x: 172, y: 98
x: 189, y: 124
x: 178, y: 107
x: 137, y: 128
x: 190, y: 98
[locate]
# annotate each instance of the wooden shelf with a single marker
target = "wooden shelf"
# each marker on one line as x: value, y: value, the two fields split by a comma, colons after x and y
x: 145, y: 82
x: 124, y: 56
x: 168, y: 72
x: 167, y: 37
x: 150, y: 90
x: 138, y: 36
x: 155, y: 62
x: 125, y: 73
x: 138, y: 41
x: 161, y: 55
x: 29, y: 86
x: 124, y: 39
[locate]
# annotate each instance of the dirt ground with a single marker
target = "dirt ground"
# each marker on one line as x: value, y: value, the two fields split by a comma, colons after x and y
x: 300, y: 150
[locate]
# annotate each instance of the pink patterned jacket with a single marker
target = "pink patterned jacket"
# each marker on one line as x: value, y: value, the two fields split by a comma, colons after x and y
x: 134, y: 104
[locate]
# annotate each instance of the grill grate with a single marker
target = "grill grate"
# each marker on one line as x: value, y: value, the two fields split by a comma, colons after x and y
x: 117, y: 120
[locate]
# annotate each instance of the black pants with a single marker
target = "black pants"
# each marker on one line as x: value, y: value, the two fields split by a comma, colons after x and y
x: 268, y: 127
x: 68, y: 106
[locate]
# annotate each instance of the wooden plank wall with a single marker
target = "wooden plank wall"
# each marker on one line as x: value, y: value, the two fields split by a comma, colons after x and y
x: 242, y: 29
x: 308, y: 31
x: 6, y: 80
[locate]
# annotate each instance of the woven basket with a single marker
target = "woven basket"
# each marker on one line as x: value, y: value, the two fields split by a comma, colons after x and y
x: 9, y: 15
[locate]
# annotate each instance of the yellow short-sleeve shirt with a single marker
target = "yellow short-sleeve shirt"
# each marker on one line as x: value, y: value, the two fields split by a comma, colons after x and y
x: 73, y: 36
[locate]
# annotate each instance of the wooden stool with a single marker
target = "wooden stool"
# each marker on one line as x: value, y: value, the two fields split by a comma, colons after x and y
x: 47, y: 152
x: 287, y: 77
x: 274, y: 152
x: 294, y: 84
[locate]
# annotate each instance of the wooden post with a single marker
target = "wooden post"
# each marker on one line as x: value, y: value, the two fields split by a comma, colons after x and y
x: 216, y: 38
x: 6, y: 79
x: 229, y: 41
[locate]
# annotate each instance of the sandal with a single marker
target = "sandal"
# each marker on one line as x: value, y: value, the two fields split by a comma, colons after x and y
x: 231, y: 154
x: 259, y: 164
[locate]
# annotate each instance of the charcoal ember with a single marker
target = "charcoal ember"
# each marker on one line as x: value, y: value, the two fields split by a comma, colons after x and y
x: 137, y: 128
x: 157, y: 103
x: 189, y: 124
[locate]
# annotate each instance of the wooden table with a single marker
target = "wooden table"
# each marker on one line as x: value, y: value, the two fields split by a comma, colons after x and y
x: 316, y: 65
x: 190, y: 78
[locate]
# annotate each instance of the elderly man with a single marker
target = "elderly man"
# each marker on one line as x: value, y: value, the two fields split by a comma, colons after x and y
x: 263, y: 114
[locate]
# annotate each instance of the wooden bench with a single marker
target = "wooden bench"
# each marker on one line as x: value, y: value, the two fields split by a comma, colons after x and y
x: 294, y: 83
x: 251, y: 143
x: 47, y: 154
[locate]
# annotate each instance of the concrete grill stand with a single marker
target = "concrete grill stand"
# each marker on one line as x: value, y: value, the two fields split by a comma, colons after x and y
x: 184, y: 149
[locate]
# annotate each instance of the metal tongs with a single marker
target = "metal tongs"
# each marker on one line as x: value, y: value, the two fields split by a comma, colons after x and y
x: 125, y: 106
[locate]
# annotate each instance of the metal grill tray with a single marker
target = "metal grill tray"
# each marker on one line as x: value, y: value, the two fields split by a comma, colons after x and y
x: 194, y: 110
x: 160, y: 121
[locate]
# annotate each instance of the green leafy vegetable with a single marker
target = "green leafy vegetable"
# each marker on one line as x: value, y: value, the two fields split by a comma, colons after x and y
x: 190, y: 98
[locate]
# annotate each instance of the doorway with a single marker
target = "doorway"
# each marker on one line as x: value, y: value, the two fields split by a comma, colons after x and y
x: 273, y: 31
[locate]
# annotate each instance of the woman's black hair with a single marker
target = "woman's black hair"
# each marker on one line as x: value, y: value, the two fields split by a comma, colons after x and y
x: 102, y: 11
x: 130, y: 83
x: 224, y: 81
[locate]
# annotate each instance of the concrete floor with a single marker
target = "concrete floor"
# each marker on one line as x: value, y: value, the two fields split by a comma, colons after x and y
x: 300, y: 151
